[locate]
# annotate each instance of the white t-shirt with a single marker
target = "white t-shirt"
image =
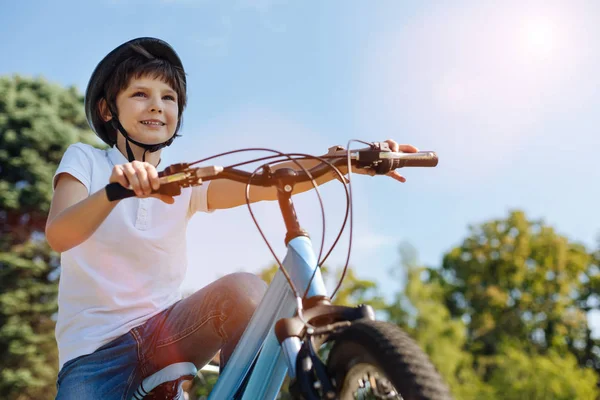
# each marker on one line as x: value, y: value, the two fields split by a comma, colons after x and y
x: 130, y: 269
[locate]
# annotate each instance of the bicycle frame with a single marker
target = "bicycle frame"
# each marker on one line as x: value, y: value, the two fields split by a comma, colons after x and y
x: 258, y: 343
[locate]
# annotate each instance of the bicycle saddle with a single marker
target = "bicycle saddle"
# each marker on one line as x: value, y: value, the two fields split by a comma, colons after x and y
x: 166, y: 383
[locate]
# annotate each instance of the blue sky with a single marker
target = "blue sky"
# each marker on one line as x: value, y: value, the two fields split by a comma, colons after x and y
x: 506, y: 92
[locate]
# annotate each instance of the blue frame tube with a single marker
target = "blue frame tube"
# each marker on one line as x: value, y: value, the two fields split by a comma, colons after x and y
x: 279, y: 302
x: 290, y: 348
x: 300, y: 263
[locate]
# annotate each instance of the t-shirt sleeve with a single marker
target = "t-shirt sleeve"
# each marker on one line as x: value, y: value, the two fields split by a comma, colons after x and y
x: 76, y: 162
x: 199, y: 198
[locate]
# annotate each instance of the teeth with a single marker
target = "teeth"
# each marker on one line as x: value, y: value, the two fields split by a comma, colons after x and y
x: 152, y: 123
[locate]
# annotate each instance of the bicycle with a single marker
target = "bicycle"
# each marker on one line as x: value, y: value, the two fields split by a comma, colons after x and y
x: 367, y: 358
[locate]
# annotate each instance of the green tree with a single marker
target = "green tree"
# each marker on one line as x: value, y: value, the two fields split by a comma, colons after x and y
x: 38, y: 120
x: 588, y: 352
x: 518, y: 281
x: 517, y: 278
x: 420, y: 310
x: 355, y: 290
x: 518, y: 375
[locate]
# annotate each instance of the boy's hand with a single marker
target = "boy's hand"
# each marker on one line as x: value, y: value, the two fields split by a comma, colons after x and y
x: 395, y: 147
x: 141, y: 177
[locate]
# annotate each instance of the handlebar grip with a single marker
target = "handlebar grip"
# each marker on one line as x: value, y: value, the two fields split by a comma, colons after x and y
x: 114, y: 191
x: 400, y: 160
x: 419, y: 159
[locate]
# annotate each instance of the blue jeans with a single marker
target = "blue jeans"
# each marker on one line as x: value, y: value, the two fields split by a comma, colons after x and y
x: 193, y: 329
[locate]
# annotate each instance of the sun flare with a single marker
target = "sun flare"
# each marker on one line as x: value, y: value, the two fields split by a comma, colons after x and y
x: 540, y: 37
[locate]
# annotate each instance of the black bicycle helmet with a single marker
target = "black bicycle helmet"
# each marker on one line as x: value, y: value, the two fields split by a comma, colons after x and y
x: 103, y: 71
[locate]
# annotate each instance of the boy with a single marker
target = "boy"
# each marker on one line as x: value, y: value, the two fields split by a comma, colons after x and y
x: 121, y: 316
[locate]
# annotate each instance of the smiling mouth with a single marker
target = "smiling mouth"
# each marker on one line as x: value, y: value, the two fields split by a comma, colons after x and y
x: 153, y: 123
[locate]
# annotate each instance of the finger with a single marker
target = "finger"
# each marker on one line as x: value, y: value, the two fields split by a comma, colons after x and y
x: 395, y: 175
x: 131, y: 174
x: 153, y: 176
x: 363, y: 171
x: 142, y: 174
x: 393, y: 145
x: 407, y: 148
x: 121, y: 178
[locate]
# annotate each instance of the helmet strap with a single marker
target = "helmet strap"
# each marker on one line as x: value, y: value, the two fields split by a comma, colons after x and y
x: 116, y: 124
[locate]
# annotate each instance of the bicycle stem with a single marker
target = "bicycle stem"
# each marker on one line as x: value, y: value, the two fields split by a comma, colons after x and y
x: 285, y: 187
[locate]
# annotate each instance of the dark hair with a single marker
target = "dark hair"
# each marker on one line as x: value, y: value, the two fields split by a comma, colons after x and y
x: 141, y: 64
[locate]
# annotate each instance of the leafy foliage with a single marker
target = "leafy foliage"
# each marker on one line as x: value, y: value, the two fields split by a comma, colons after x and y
x: 518, y: 287
x: 519, y: 278
x: 519, y: 375
x: 419, y: 309
x: 38, y: 120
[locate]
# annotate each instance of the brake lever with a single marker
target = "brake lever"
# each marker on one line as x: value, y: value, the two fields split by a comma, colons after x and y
x: 379, y: 159
x: 178, y: 176
x: 186, y: 176
x: 368, y: 158
x: 379, y: 147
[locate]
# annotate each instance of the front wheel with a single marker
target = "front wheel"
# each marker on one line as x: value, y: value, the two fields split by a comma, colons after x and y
x: 377, y: 360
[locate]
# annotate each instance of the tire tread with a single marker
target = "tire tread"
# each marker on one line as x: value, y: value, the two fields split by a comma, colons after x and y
x: 399, y: 357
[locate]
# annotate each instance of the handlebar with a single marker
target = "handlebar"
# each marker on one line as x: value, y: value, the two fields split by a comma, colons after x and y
x: 381, y: 165
x: 377, y: 158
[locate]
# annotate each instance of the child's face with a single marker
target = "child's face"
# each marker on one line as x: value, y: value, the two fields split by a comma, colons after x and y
x: 148, y: 110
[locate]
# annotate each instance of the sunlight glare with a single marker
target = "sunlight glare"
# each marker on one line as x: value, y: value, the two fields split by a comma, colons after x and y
x: 540, y: 37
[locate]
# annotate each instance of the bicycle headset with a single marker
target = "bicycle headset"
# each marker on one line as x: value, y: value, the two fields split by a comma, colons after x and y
x: 96, y: 90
